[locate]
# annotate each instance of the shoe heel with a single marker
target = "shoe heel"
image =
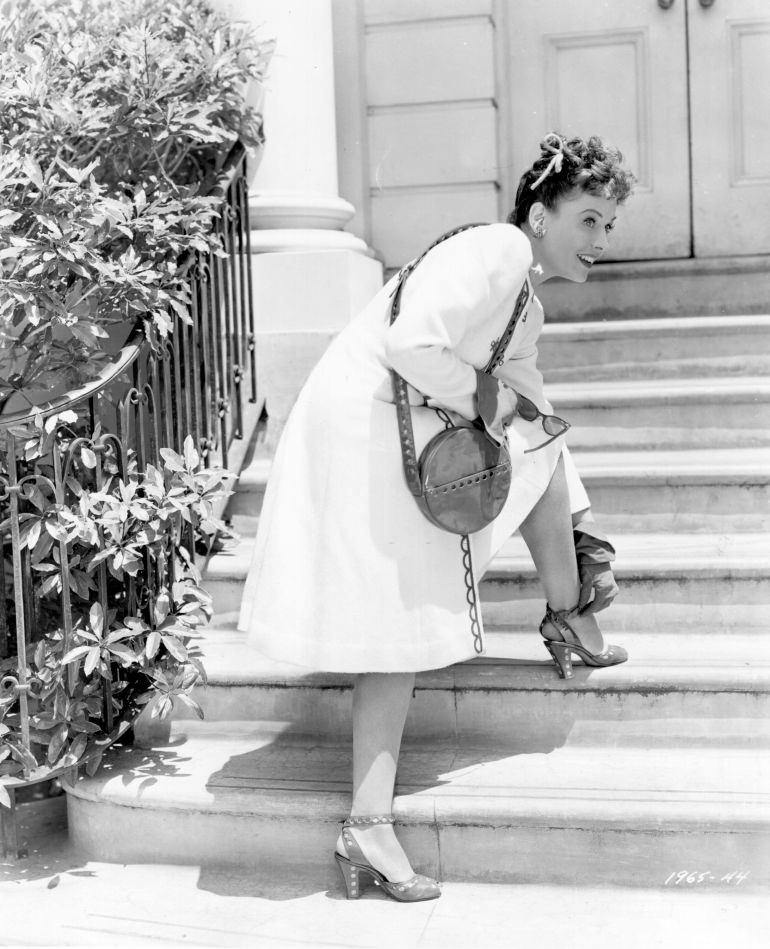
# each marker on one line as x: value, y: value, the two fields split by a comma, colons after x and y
x: 351, y: 875
x: 562, y: 656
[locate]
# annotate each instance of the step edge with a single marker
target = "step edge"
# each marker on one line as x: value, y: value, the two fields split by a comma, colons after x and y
x: 508, y: 568
x: 743, y: 323
x: 754, y: 682
x: 420, y: 807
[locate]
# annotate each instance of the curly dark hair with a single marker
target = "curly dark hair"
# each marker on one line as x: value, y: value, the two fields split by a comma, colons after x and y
x: 565, y: 164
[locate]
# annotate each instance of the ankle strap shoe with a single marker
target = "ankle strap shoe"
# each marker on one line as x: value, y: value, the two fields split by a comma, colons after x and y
x: 561, y: 641
x: 357, y: 871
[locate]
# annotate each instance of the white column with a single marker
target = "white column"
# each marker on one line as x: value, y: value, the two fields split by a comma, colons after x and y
x: 294, y: 201
x: 296, y: 186
x: 310, y: 276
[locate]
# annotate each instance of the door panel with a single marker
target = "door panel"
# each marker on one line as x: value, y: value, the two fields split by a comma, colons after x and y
x: 405, y: 221
x: 618, y: 70
x: 432, y: 61
x: 730, y: 102
x: 417, y: 145
x: 616, y: 63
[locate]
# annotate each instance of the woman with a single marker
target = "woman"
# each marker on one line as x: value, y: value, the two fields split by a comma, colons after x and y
x: 348, y: 575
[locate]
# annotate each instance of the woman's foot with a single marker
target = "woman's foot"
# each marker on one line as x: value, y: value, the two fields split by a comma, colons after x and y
x: 566, y: 632
x: 381, y: 848
x: 587, y: 629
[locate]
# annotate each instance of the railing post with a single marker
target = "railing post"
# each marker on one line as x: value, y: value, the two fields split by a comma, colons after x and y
x: 22, y: 686
x: 9, y: 830
x: 245, y: 255
x: 3, y: 605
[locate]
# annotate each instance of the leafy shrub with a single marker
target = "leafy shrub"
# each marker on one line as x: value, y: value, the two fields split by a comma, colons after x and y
x: 115, y: 119
x: 132, y: 525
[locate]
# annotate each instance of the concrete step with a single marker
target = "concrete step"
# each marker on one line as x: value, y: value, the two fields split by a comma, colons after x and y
x: 668, y: 581
x: 697, y: 490
x: 252, y: 482
x: 712, y: 582
x: 244, y: 794
x: 687, y: 680
x: 650, y: 289
x: 684, y: 685
x: 710, y: 367
x: 655, y: 348
x: 701, y: 405
x: 586, y: 438
x: 715, y: 490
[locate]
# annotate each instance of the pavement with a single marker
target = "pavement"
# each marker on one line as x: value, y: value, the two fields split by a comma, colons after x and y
x: 58, y: 897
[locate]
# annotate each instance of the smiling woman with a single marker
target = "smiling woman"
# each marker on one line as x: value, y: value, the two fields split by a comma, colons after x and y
x: 384, y: 591
x: 574, y: 235
x: 568, y: 201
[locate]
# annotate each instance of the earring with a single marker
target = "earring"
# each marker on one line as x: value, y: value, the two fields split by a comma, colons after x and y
x: 539, y: 231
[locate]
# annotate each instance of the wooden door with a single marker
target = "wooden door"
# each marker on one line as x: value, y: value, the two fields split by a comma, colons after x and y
x: 730, y: 117
x: 618, y: 69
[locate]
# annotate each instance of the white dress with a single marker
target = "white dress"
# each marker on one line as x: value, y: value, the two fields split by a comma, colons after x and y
x: 348, y: 575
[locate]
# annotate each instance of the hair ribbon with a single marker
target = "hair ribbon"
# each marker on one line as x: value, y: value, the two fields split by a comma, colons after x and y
x: 555, y: 164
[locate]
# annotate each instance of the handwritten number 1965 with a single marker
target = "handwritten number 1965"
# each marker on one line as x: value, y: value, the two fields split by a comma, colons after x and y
x: 678, y: 877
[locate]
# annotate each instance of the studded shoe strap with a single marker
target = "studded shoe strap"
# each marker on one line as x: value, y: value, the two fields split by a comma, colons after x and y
x: 400, y: 391
x: 355, y: 854
x: 559, y: 619
x: 373, y: 819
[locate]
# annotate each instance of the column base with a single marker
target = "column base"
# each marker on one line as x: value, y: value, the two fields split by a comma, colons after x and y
x: 301, y: 301
x: 283, y: 240
x: 269, y: 210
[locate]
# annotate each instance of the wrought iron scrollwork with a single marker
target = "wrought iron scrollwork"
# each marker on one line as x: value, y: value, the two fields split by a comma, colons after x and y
x: 158, y: 391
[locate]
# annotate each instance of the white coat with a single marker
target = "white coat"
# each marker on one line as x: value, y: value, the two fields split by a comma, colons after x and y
x: 348, y: 575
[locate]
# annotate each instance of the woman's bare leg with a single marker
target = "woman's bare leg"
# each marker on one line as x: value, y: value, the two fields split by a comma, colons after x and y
x: 380, y: 704
x: 547, y: 531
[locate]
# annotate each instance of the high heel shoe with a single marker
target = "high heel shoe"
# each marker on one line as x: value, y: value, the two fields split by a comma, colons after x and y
x: 357, y: 871
x: 564, y: 641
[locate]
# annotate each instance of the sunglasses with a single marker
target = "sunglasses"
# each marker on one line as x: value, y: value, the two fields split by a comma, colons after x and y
x: 552, y: 424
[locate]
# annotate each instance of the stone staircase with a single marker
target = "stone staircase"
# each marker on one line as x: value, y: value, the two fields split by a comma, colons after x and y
x: 624, y: 775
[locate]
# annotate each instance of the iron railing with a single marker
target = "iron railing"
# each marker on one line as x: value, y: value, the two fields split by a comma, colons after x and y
x: 153, y: 395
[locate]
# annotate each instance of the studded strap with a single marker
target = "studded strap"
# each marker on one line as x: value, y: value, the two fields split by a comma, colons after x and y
x: 355, y: 854
x: 559, y: 620
x: 400, y: 392
x: 370, y: 819
x: 498, y: 356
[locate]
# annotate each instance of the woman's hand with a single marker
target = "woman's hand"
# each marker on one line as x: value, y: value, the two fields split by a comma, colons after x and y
x: 496, y: 404
x: 594, y: 554
x: 598, y: 581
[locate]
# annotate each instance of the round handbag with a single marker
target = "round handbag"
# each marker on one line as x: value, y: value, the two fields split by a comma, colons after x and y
x: 465, y: 477
x: 462, y: 477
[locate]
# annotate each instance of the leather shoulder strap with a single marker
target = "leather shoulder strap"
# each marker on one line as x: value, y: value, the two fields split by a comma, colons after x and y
x: 395, y: 306
x: 400, y: 391
x: 498, y: 356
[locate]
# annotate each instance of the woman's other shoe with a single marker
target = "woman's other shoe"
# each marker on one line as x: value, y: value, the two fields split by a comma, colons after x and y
x: 357, y: 872
x: 561, y: 641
